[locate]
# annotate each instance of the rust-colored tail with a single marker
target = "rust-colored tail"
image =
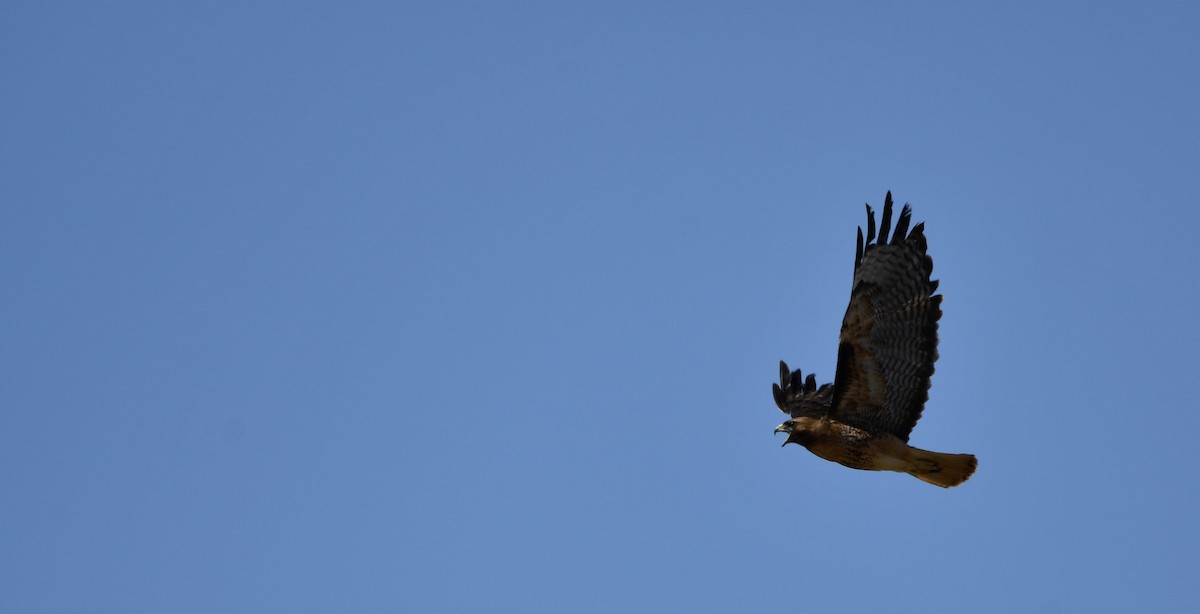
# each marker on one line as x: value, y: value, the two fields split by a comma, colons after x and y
x: 944, y: 470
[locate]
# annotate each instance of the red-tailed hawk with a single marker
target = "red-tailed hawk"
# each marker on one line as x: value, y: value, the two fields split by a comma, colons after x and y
x: 886, y: 353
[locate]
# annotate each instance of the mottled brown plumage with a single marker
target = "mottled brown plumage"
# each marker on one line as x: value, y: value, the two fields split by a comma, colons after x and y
x: 886, y: 352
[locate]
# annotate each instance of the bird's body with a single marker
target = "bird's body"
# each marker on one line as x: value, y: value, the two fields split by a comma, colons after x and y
x: 887, y: 349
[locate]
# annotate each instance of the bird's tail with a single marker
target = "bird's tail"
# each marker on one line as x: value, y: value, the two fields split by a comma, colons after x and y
x: 944, y: 470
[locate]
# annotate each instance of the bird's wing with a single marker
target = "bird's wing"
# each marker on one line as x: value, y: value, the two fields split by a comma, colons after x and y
x: 888, y: 342
x: 798, y: 397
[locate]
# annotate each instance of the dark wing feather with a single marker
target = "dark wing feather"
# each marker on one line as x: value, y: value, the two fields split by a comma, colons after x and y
x: 797, y: 397
x: 888, y: 343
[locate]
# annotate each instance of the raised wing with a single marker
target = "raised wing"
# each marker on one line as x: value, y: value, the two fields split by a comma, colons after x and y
x: 888, y: 342
x: 797, y: 396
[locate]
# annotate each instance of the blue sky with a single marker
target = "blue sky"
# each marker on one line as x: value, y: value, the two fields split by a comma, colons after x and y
x: 460, y: 307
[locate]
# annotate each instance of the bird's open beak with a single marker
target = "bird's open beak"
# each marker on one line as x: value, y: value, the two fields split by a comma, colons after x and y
x: 785, y: 428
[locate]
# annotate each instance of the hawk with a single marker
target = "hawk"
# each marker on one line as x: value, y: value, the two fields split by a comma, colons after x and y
x: 886, y: 352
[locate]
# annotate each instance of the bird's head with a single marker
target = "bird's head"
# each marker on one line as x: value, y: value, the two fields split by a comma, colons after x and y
x: 797, y: 430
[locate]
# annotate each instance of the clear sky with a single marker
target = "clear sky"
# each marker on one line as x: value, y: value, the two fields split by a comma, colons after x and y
x: 475, y: 307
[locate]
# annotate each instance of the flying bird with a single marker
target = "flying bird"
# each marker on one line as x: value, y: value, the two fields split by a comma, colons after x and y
x: 886, y: 352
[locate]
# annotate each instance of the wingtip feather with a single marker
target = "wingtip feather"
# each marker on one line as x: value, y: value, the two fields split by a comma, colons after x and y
x: 885, y: 223
x: 902, y: 225
x: 858, y: 250
x: 870, y: 224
